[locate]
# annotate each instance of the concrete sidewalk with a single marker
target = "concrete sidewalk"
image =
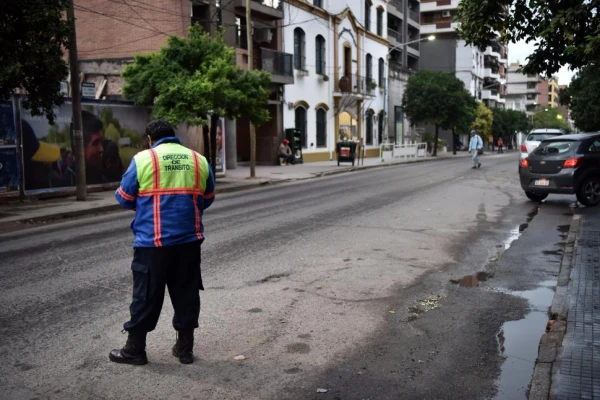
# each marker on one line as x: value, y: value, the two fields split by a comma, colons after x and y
x: 36, y: 210
x: 568, y: 364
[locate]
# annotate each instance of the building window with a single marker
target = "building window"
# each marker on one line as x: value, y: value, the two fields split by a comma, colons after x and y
x: 318, y: 3
x: 380, y: 21
x: 368, y: 15
x: 299, y: 49
x: 380, y: 125
x: 369, y: 124
x: 381, y: 73
x: 320, y: 55
x: 300, y: 119
x: 369, y: 70
x: 321, y: 127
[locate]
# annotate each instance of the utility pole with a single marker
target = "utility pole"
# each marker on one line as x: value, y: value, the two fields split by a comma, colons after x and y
x: 80, y: 189
x: 250, y: 67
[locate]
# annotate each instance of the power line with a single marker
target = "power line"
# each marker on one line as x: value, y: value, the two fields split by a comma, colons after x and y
x: 120, y: 44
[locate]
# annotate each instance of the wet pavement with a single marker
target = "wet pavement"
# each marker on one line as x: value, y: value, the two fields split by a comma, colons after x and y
x: 579, y: 369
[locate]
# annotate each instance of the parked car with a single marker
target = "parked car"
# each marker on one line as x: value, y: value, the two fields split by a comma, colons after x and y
x: 535, y: 137
x: 565, y: 164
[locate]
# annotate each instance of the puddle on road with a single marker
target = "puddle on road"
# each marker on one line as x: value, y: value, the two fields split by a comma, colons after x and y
x: 518, y: 231
x: 472, y: 280
x: 518, y: 342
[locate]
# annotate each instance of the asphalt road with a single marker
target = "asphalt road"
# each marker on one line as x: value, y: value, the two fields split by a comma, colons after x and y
x: 352, y: 283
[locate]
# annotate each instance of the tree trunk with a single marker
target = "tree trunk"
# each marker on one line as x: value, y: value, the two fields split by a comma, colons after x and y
x: 435, y: 140
x: 453, y: 141
x: 214, y: 120
x: 206, y: 144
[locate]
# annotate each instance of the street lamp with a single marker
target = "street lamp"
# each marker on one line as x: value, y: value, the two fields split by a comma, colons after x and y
x: 429, y: 38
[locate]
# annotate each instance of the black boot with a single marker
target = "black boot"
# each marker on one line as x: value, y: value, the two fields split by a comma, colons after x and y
x: 184, y: 346
x: 134, y: 351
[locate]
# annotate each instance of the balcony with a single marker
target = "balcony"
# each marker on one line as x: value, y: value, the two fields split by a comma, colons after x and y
x: 491, y: 74
x: 491, y: 95
x: 439, y: 26
x: 399, y: 4
x: 279, y: 65
x: 493, y: 52
x: 414, y: 48
x: 439, y: 5
x: 353, y: 84
x: 414, y: 17
x: 263, y: 7
x: 395, y: 37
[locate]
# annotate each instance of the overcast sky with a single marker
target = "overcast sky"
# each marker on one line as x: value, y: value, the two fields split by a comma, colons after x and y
x: 519, y: 52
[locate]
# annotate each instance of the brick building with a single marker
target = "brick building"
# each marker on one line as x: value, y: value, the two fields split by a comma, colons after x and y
x: 111, y: 32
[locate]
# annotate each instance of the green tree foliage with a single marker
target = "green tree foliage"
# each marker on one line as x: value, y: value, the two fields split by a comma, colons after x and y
x: 564, y: 32
x: 550, y: 118
x: 192, y: 77
x: 583, y: 99
x: 508, y: 122
x: 484, y: 121
x: 440, y: 99
x: 33, y: 35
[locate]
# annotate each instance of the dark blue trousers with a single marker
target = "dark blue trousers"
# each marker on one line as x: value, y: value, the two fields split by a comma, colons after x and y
x: 177, y: 268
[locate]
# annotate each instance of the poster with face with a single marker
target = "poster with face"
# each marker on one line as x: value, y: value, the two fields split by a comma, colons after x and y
x: 112, y: 135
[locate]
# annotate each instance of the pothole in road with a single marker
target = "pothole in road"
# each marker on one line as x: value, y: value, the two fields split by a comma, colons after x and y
x: 422, y: 306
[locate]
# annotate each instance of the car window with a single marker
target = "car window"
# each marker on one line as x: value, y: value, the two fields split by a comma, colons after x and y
x: 554, y: 148
x: 595, y: 147
x: 538, y: 137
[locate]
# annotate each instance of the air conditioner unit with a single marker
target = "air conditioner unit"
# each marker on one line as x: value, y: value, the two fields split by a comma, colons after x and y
x: 446, y: 14
x: 263, y: 35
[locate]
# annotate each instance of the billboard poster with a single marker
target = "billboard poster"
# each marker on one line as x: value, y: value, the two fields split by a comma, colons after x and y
x: 8, y: 133
x: 112, y: 135
x: 220, y: 164
x: 9, y: 172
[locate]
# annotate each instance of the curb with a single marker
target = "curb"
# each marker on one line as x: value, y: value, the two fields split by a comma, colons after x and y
x: 227, y: 189
x: 549, y: 351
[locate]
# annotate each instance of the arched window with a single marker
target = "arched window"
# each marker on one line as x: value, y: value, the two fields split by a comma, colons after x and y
x: 380, y: 126
x: 300, y: 119
x: 299, y: 49
x: 321, y: 127
x: 380, y: 21
x: 369, y: 125
x: 381, y: 73
x: 368, y: 15
x: 320, y: 55
x: 369, y: 70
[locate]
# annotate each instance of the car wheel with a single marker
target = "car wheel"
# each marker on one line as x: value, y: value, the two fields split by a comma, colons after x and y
x: 589, y: 192
x: 537, y: 197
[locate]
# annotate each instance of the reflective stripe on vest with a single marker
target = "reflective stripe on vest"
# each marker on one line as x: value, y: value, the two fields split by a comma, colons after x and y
x: 165, y: 170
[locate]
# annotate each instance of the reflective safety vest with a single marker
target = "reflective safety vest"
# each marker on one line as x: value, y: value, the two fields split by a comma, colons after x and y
x: 169, y: 186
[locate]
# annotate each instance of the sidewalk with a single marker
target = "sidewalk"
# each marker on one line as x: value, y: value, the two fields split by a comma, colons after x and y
x: 33, y: 210
x: 568, y: 364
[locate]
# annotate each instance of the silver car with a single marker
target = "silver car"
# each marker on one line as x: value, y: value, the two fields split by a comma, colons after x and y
x: 536, y: 137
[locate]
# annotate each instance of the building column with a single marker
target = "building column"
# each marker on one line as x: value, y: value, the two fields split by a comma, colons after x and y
x: 359, y: 119
x: 230, y: 144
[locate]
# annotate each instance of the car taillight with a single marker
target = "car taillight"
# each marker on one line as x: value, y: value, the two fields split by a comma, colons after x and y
x: 572, y: 163
x: 524, y: 163
x: 523, y: 148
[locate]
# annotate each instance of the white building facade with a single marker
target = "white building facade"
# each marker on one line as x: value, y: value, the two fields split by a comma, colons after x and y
x: 340, y: 73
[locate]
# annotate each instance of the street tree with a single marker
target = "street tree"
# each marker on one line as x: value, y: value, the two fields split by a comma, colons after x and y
x: 549, y: 118
x: 583, y: 98
x: 439, y: 99
x: 563, y: 32
x: 193, y: 79
x: 33, y: 36
x: 508, y: 122
x: 484, y: 121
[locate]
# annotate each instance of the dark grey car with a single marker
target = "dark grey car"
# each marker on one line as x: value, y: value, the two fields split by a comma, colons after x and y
x: 568, y: 164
